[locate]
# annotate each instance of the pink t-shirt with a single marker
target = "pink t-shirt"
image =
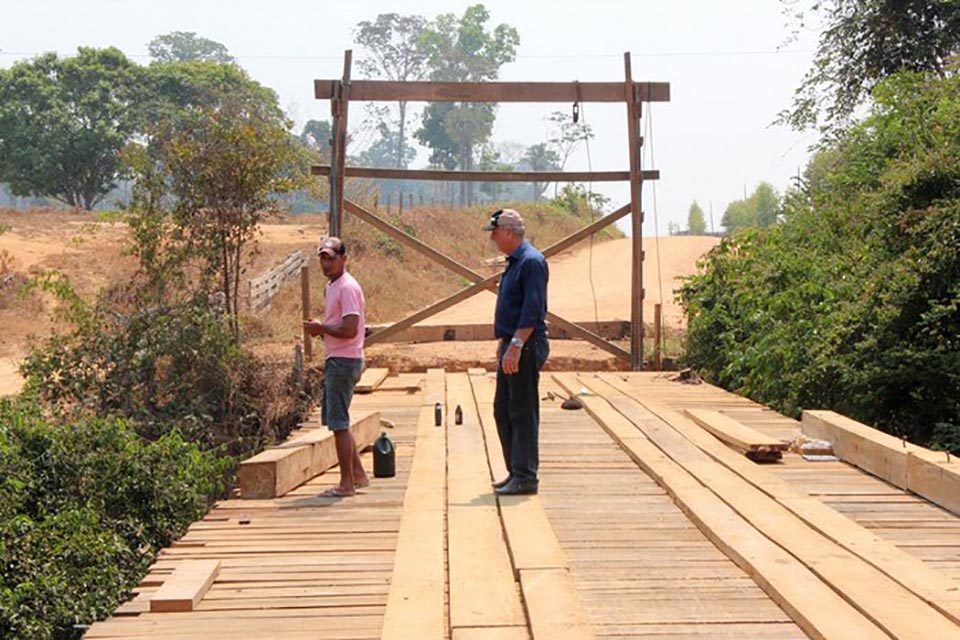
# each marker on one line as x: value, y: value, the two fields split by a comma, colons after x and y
x: 343, y: 297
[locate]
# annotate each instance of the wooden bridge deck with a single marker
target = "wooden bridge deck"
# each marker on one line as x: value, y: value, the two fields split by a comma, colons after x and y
x: 604, y: 551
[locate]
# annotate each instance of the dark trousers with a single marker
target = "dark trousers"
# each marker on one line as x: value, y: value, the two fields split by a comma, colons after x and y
x: 516, y: 408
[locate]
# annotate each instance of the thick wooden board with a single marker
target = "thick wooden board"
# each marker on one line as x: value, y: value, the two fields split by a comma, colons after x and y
x: 875, y: 452
x: 370, y: 380
x: 415, y: 604
x: 734, y: 433
x: 554, y: 606
x: 483, y: 592
x: 812, y: 604
x: 186, y: 587
x: 274, y: 472
x: 392, y: 91
x: 485, y: 176
x: 931, y: 475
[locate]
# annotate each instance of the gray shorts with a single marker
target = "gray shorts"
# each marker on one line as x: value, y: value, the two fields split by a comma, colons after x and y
x: 339, y: 377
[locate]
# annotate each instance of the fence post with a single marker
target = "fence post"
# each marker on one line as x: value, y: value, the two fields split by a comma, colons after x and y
x: 305, y: 303
x: 657, y: 336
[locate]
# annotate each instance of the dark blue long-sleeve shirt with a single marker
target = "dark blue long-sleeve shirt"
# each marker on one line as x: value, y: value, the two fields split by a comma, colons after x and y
x: 522, y: 297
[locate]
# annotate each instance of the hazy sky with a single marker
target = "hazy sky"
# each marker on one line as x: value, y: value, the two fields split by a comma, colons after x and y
x: 713, y: 140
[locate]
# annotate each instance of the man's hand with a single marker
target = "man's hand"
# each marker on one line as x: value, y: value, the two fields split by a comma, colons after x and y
x: 313, y: 327
x: 511, y: 360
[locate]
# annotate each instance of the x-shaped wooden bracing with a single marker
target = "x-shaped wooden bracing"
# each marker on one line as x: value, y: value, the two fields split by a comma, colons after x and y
x: 482, y: 283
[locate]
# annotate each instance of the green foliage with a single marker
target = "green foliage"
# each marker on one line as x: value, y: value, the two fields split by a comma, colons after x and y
x: 84, y: 505
x: 209, y: 174
x: 853, y: 302
x: 863, y: 42
x: 187, y: 46
x: 760, y: 209
x: 575, y: 200
x: 167, y: 368
x: 540, y: 157
x: 64, y: 122
x: 696, y: 223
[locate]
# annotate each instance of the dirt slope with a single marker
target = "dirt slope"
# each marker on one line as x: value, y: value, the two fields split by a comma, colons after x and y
x: 572, y: 296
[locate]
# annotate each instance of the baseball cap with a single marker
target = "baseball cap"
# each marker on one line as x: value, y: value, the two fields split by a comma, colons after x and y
x: 504, y: 218
x: 332, y: 246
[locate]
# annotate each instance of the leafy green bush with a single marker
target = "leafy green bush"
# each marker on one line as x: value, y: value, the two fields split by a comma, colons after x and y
x: 852, y: 303
x: 84, y: 506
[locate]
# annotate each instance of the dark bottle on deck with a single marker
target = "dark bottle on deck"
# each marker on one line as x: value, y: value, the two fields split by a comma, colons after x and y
x: 437, y: 414
x: 384, y: 458
x: 458, y: 415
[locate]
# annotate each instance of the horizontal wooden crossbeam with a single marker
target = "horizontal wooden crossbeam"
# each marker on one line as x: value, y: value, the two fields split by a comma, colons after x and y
x: 487, y: 176
x: 390, y: 91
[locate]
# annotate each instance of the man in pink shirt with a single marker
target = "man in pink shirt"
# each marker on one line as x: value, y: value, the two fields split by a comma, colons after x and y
x: 342, y: 330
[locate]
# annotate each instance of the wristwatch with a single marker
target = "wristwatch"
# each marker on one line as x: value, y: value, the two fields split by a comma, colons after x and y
x: 516, y: 342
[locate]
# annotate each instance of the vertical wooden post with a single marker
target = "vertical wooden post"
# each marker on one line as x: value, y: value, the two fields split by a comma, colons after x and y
x: 657, y: 336
x: 338, y: 149
x: 410, y: 201
x: 400, y: 203
x: 636, y: 218
x: 305, y: 304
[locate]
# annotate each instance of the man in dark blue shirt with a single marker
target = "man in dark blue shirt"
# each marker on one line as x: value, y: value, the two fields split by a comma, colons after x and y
x: 521, y: 329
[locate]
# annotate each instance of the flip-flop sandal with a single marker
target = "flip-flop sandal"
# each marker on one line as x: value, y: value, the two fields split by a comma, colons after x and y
x: 336, y: 492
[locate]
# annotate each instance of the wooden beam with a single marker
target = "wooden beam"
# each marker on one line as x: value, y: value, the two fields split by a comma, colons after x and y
x: 636, y: 220
x: 276, y: 471
x: 393, y: 91
x: 936, y: 477
x: 554, y: 605
x: 339, y: 107
x: 589, y: 336
x: 305, y: 309
x: 484, y: 176
x: 184, y: 589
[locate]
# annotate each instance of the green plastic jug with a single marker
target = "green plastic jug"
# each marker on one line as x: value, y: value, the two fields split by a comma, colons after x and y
x: 384, y: 458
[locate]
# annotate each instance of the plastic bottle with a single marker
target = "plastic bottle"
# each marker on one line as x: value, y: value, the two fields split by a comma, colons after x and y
x: 458, y: 415
x: 437, y: 415
x: 384, y: 458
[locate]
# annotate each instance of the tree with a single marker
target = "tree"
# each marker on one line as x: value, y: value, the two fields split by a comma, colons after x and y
x: 761, y: 209
x: 391, y: 43
x: 540, y: 157
x: 316, y: 136
x: 696, y: 223
x: 208, y: 175
x: 463, y: 50
x: 187, y: 46
x: 64, y: 122
x: 865, y: 41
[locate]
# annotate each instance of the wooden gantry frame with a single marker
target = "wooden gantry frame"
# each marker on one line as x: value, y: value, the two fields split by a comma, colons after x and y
x: 341, y: 92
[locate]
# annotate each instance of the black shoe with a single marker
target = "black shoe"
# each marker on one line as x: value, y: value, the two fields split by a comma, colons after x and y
x: 518, y: 487
x: 501, y: 483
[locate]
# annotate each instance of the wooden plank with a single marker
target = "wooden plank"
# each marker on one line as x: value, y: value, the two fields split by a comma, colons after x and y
x: 274, y: 472
x: 484, y: 176
x: 936, y: 477
x: 813, y: 605
x: 491, y: 633
x: 934, y: 587
x: 895, y: 609
x: 371, y: 379
x: 483, y: 592
x: 636, y: 220
x: 532, y: 541
x: 734, y: 433
x: 186, y: 587
x: 415, y: 604
x: 584, y: 334
x: 393, y: 91
x: 554, y: 605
